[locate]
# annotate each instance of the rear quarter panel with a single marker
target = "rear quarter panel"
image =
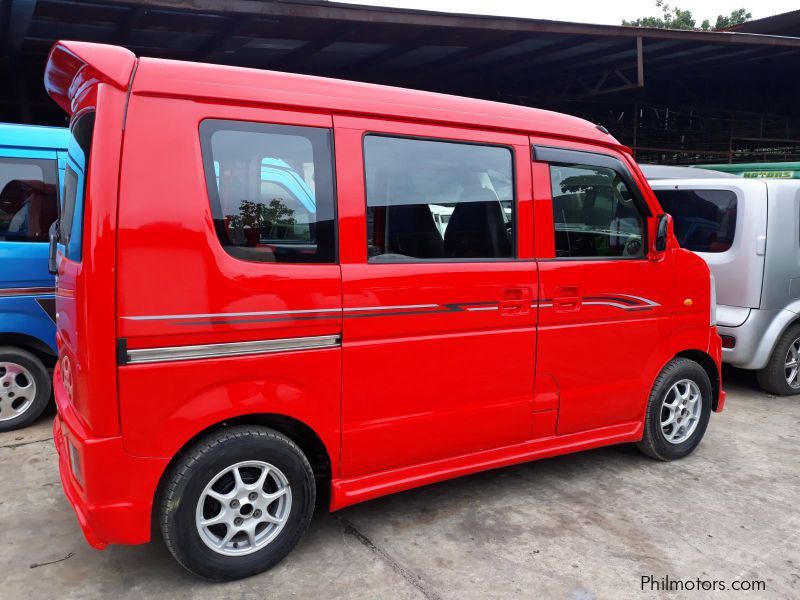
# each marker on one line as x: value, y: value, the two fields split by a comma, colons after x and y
x: 172, y: 263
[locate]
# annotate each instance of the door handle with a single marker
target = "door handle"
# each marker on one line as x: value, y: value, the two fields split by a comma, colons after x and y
x: 515, y: 301
x: 567, y: 299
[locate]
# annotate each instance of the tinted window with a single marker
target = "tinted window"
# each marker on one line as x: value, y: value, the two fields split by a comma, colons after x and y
x: 434, y: 200
x: 271, y: 190
x: 594, y: 214
x: 28, y: 199
x: 704, y: 220
x: 72, y: 202
x: 68, y: 213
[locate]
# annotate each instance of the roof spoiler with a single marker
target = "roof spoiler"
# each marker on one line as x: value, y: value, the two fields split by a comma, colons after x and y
x: 73, y: 67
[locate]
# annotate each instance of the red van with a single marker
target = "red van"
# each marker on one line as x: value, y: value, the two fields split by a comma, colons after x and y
x: 264, y: 309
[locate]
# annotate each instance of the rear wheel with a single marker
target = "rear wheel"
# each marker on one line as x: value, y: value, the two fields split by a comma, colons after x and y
x: 781, y: 376
x: 237, y: 502
x: 678, y: 411
x: 25, y: 388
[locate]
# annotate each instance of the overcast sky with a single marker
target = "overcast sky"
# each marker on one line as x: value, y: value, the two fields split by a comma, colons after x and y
x: 609, y: 12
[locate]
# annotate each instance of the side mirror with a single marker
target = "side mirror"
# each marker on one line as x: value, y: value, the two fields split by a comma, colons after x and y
x: 52, y: 262
x: 662, y: 228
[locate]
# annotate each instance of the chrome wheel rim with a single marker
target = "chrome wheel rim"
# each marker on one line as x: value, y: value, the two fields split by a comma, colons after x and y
x: 680, y: 411
x: 17, y: 390
x: 791, y: 364
x: 243, y: 508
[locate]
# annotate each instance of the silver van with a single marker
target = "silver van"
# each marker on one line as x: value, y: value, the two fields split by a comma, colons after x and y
x: 748, y: 231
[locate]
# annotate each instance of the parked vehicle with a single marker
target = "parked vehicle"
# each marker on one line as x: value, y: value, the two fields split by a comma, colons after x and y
x: 224, y: 383
x: 30, y: 173
x: 748, y: 231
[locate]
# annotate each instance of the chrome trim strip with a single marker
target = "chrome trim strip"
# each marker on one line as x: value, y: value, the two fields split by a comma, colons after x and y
x: 31, y: 291
x: 176, y: 353
x: 268, y: 313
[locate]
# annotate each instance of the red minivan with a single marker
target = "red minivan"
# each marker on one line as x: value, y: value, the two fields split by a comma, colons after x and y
x: 290, y: 287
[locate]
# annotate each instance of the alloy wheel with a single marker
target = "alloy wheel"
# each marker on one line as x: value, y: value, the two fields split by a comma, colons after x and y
x: 680, y: 411
x: 791, y: 364
x: 17, y: 390
x: 243, y: 508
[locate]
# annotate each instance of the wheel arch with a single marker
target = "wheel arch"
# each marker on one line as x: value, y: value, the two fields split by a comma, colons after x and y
x: 710, y: 367
x: 34, y: 345
x: 299, y: 432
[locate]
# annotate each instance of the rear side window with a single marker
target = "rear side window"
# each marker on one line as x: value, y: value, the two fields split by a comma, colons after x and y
x: 594, y: 214
x: 28, y: 199
x: 72, y: 197
x: 704, y: 220
x: 271, y: 190
x: 437, y: 200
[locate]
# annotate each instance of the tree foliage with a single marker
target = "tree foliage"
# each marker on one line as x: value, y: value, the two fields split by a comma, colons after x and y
x: 677, y: 18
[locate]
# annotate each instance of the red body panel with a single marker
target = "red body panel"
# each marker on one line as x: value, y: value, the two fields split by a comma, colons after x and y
x: 443, y: 368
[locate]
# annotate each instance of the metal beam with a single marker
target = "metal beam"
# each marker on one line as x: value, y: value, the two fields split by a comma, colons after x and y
x: 639, y: 62
x: 377, y: 61
x: 456, y: 60
x: 127, y: 24
x: 608, y: 82
x: 542, y: 51
x: 217, y: 43
x: 596, y: 57
x: 19, y: 20
x: 300, y: 57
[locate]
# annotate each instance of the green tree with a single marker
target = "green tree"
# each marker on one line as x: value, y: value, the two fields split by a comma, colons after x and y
x: 677, y: 18
x: 737, y: 17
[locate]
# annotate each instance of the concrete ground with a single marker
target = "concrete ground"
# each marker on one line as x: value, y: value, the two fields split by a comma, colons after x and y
x: 578, y: 527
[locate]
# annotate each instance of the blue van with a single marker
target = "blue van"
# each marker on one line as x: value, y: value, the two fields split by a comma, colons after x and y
x: 31, y: 172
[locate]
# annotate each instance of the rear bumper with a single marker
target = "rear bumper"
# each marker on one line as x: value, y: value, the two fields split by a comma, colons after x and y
x: 755, y: 337
x: 113, y: 494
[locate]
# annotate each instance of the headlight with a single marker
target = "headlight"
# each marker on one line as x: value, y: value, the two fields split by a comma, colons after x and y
x: 713, y: 301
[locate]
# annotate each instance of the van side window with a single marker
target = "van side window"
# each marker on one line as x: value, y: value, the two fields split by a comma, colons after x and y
x: 594, y: 214
x: 28, y: 199
x: 271, y: 190
x: 436, y: 200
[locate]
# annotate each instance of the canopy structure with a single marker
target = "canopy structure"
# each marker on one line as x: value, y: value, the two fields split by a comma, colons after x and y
x: 673, y: 96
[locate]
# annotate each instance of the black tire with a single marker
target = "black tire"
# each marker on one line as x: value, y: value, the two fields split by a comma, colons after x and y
x: 772, y: 378
x: 41, y: 380
x: 197, y: 467
x: 654, y: 442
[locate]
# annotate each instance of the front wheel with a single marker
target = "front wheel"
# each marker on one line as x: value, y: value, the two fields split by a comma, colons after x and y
x: 678, y: 411
x: 237, y: 502
x: 25, y: 388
